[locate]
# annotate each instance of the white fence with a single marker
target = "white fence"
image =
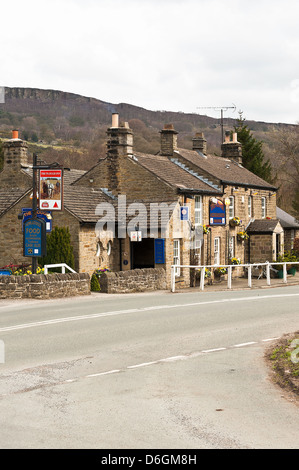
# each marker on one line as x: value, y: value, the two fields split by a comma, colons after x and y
x: 264, y: 269
x: 63, y: 266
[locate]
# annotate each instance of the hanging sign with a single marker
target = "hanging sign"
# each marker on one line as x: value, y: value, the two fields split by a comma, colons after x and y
x: 184, y: 213
x: 34, y: 237
x: 51, y: 190
x: 217, y: 212
x: 45, y: 215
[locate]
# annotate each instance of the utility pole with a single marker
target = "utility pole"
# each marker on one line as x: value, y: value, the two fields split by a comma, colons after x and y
x: 222, y: 109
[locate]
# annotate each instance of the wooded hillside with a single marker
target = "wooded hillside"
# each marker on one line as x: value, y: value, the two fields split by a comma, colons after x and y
x: 71, y: 129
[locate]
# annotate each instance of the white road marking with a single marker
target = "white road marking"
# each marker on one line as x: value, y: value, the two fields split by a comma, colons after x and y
x: 134, y: 310
x: 159, y: 361
x: 114, y: 371
x: 244, y: 344
x: 212, y: 350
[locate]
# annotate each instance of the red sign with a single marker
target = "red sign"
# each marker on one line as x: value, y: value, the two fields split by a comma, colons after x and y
x: 51, y: 189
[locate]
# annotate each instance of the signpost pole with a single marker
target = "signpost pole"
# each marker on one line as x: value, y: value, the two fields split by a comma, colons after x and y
x: 34, y: 205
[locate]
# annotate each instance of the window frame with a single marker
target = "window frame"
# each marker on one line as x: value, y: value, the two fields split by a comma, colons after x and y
x: 249, y: 206
x: 176, y: 256
x: 217, y: 239
x: 263, y: 207
x: 231, y: 207
x: 198, y: 211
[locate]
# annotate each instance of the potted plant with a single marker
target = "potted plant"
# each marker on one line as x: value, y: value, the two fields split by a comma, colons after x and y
x: 219, y: 272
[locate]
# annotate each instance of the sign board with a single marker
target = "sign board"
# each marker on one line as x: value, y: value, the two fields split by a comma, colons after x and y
x: 136, y: 236
x: 27, y: 214
x: 34, y: 237
x: 159, y: 251
x: 217, y: 212
x: 51, y: 190
x: 184, y: 213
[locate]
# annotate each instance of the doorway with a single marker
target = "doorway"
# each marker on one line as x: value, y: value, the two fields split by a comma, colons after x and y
x: 143, y: 254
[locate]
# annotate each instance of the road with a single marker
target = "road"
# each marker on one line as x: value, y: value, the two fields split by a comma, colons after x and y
x: 146, y: 371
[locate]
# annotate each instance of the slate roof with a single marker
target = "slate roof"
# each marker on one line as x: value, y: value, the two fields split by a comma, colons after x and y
x: 9, y: 198
x: 227, y: 171
x: 262, y: 226
x: 174, y: 175
x: 287, y: 221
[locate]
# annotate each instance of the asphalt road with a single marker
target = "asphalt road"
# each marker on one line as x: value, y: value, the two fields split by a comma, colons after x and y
x: 146, y: 371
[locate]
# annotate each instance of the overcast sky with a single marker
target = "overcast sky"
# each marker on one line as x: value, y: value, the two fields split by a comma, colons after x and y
x: 174, y: 55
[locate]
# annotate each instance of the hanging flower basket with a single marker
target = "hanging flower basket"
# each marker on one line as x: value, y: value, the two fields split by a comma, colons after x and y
x: 206, y: 228
x: 234, y: 222
x: 242, y: 236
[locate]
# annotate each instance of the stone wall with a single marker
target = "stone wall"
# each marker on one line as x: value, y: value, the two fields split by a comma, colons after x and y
x: 50, y: 286
x: 137, y: 280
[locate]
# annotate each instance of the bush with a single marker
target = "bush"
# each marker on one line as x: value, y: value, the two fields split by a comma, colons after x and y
x: 59, y: 248
x: 94, y: 283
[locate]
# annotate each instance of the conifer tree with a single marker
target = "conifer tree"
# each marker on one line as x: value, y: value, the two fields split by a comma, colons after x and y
x: 253, y: 156
x: 59, y: 248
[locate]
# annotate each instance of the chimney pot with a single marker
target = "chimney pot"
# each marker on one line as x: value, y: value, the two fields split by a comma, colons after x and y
x: 115, y: 120
x: 15, y: 134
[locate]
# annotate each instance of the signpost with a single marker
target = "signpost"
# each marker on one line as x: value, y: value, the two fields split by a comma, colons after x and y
x: 50, y: 197
x: 34, y: 238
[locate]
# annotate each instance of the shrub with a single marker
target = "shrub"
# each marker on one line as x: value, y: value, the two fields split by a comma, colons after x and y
x: 59, y: 248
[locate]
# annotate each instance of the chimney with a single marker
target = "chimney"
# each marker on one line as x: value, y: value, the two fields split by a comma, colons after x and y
x: 231, y: 148
x: 120, y: 138
x: 199, y: 143
x: 15, y: 153
x: 168, y: 140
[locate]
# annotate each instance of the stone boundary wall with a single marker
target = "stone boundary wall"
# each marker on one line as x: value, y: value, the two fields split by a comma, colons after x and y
x: 136, y: 280
x: 41, y: 286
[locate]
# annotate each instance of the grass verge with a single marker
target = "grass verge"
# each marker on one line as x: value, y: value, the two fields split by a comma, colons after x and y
x: 283, y: 358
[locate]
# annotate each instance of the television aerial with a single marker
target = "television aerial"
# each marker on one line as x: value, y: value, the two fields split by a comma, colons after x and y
x: 222, y: 110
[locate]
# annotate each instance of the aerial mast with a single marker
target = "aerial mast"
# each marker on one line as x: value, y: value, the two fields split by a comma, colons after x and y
x: 222, y: 109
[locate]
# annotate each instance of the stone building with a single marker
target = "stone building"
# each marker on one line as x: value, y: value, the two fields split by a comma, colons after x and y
x: 135, y: 210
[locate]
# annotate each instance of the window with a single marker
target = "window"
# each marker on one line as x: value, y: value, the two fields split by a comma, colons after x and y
x: 176, y: 256
x: 264, y: 208
x: 249, y: 205
x: 217, y: 250
x: 231, y: 248
x: 198, y: 210
x: 231, y: 208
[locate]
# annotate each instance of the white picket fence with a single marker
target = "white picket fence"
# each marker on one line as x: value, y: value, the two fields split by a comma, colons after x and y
x: 264, y: 269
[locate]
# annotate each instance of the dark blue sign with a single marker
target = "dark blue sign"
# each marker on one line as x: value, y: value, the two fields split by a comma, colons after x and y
x: 184, y: 213
x: 217, y: 213
x: 159, y: 251
x: 34, y: 237
x: 27, y: 214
